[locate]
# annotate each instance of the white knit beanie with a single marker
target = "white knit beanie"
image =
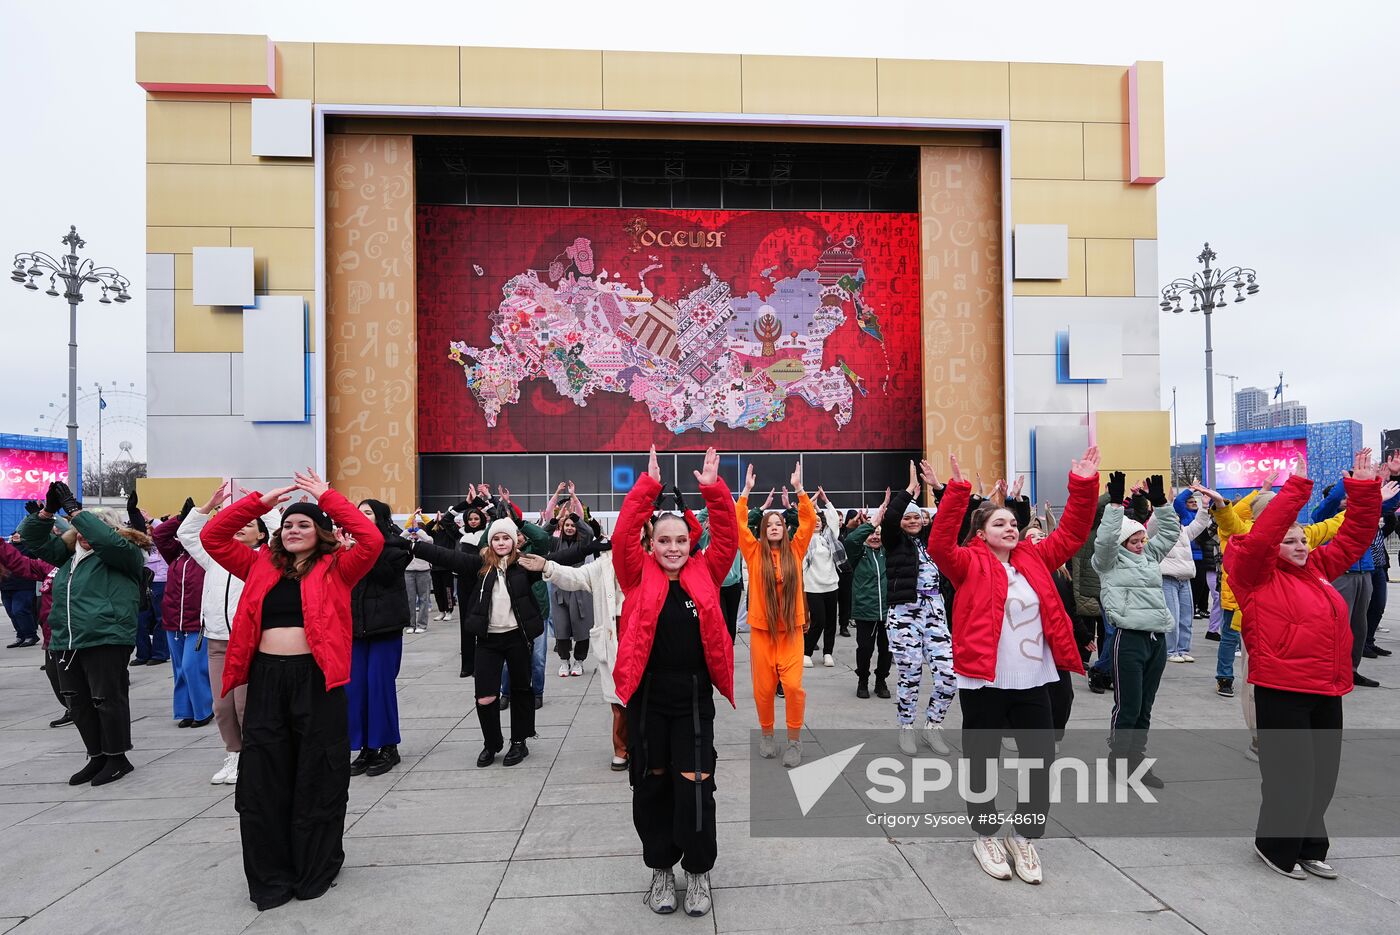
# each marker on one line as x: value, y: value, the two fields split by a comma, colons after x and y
x: 912, y: 508
x: 505, y: 525
x: 1128, y: 529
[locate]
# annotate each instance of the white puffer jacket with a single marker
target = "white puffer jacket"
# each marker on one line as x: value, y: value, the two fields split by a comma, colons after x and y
x: 1178, y: 563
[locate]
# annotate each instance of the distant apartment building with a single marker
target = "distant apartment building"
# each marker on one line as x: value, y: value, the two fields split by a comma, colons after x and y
x: 1253, y: 411
x: 1249, y: 401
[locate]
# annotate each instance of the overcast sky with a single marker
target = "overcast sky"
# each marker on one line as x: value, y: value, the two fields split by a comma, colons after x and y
x: 1281, y: 139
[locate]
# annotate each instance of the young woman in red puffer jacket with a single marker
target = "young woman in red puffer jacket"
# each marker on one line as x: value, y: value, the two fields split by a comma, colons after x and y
x: 290, y: 642
x: 1297, y: 630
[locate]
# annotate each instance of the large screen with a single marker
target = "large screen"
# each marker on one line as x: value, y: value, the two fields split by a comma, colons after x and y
x: 1246, y: 465
x: 26, y: 474
x: 613, y: 329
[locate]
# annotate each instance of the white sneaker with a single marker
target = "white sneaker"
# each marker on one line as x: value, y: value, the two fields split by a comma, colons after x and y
x: 933, y: 737
x: 563, y: 674
x: 1187, y: 657
x: 1176, y: 657
x: 991, y: 858
x: 907, y: 746
x: 1295, y: 874
x: 1023, y: 857
x: 230, y: 766
x: 697, y: 894
x: 792, y: 754
x: 767, y: 746
x: 806, y: 662
x: 576, y: 668
x: 828, y: 661
x: 1319, y: 868
x: 661, y: 896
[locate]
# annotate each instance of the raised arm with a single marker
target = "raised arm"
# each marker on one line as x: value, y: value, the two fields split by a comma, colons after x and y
x: 36, y: 532
x: 117, y: 553
x: 628, y: 554
x: 191, y: 526
x: 1358, y: 530
x: 1252, y: 557
x: 1164, y: 532
x: 1077, y: 521
x: 22, y: 566
x: 724, y: 521
x: 217, y: 534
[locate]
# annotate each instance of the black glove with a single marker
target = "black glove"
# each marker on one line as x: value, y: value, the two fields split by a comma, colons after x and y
x: 53, y: 497
x: 601, y: 545
x: 185, y: 509
x: 1156, y: 490
x: 32, y: 506
x: 680, y: 500
x: 462, y: 507
x: 1117, y: 485
x: 131, y: 500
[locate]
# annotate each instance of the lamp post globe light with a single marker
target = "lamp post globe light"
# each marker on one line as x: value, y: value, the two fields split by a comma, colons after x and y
x: 1208, y: 290
x: 74, y: 273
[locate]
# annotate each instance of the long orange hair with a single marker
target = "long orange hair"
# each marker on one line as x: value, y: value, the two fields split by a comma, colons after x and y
x: 781, y: 602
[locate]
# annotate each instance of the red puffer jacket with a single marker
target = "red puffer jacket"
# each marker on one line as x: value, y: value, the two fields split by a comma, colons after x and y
x: 979, y: 606
x: 644, y: 586
x: 184, y: 582
x: 325, y: 589
x: 1295, y: 625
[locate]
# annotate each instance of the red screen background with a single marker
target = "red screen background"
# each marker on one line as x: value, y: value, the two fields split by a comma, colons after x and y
x: 455, y: 300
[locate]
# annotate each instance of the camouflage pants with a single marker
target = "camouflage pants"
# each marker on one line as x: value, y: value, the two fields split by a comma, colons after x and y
x: 918, y: 634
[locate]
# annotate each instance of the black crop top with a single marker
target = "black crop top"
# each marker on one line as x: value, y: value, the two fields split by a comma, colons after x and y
x: 282, y: 605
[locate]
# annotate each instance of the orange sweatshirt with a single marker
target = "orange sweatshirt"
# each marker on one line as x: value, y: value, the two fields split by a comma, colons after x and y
x: 756, y: 551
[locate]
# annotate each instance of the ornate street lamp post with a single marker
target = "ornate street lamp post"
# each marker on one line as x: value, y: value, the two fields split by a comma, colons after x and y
x: 1208, y: 291
x: 74, y: 273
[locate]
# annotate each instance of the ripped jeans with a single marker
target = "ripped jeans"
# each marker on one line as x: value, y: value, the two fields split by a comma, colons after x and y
x: 96, y: 688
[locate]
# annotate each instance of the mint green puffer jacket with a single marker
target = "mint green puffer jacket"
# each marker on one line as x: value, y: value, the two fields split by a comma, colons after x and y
x: 1131, y: 585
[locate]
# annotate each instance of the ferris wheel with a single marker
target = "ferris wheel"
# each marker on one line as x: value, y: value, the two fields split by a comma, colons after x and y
x: 122, y: 421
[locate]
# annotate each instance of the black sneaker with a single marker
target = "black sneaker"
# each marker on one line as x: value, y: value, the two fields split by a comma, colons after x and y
x: 1370, y: 653
x: 63, y: 721
x: 881, y: 689
x: 517, y: 752
x: 1213, y: 637
x: 361, y: 763
x: 16, y: 644
x: 863, y: 689
x: 1225, y: 688
x: 115, y: 768
x: 845, y: 631
x: 388, y: 758
x: 136, y: 662
x: 539, y: 702
x: 93, y: 767
x: 1361, y: 681
x: 1379, y: 651
x: 185, y: 722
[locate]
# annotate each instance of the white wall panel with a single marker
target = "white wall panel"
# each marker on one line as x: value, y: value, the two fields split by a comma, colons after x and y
x: 1041, y: 251
x: 160, y: 271
x: 227, y: 446
x: 274, y: 360
x: 1023, y: 422
x: 1038, y: 318
x: 281, y: 127
x: 1036, y: 389
x: 1139, y: 389
x: 188, y: 384
x: 1145, y: 269
x: 1096, y: 351
x: 223, y: 276
x: 160, y: 320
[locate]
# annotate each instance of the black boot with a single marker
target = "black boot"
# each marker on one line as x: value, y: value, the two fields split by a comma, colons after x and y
x: 881, y: 689
x: 361, y: 763
x: 485, y: 758
x: 517, y: 752
x: 863, y: 688
x: 845, y: 631
x: 93, y: 767
x: 66, y: 719
x: 115, y: 768
x: 388, y: 758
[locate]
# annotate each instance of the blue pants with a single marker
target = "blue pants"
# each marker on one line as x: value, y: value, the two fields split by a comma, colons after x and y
x: 1182, y: 607
x: 372, y: 694
x: 1104, y: 664
x: 193, y: 698
x: 19, y: 605
x: 537, y: 656
x: 1229, y: 642
x: 150, y: 638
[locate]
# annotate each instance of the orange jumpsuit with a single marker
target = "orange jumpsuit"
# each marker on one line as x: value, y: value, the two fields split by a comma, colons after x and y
x: 774, y: 655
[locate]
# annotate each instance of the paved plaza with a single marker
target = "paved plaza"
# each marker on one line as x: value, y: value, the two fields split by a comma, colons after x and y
x: 437, y: 845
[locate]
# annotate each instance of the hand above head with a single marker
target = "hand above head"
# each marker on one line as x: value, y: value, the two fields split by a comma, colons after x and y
x: 53, y: 497
x: 796, y: 479
x: 186, y: 508
x: 998, y: 492
x: 532, y: 562
x: 1156, y: 490
x: 787, y: 502
x: 1363, y: 468
x: 310, y: 482
x: 1015, y: 492
x: 67, y: 500
x: 1389, y: 489
x: 653, y: 466
x: 955, y: 470
x: 928, y: 475
x: 277, y: 497
x: 981, y: 487
x: 1209, y: 494
x: 1117, y: 482
x: 32, y: 506
x: 709, y: 471
x: 1087, y: 466
x: 769, y: 502
x: 821, y: 496
x: 131, y: 500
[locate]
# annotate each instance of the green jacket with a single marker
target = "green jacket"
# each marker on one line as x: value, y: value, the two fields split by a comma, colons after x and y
x: 869, y: 583
x: 736, y: 570
x: 1131, y: 585
x: 96, y: 602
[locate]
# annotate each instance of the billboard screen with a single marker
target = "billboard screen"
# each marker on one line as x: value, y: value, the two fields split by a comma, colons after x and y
x: 26, y: 474
x: 613, y: 329
x: 1246, y: 465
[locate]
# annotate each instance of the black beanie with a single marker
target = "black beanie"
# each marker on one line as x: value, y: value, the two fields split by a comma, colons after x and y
x: 307, y: 508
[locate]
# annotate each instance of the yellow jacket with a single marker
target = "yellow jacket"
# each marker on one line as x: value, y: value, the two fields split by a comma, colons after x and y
x: 1237, y: 519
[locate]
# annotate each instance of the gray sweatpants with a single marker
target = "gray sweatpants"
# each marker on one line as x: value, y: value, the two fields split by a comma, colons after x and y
x: 1355, y: 589
x: 420, y: 596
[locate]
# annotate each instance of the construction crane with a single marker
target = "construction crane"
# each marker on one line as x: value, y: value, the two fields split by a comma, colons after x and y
x: 1234, y: 417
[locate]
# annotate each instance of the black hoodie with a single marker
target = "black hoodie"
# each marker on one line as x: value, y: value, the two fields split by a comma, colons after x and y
x: 379, y: 601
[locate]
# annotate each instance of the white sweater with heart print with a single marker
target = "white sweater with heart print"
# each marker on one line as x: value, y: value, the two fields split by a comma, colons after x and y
x: 1024, y: 659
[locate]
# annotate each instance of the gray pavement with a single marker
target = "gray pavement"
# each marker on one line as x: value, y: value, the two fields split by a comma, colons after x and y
x: 438, y: 845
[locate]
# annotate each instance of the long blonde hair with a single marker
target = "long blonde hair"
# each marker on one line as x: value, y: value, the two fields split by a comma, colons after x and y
x: 781, y: 604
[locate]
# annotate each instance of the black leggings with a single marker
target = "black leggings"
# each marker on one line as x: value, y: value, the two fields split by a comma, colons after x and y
x: 442, y: 589
x: 988, y: 713
x: 822, y: 610
x: 729, y: 597
x: 844, y: 598
x: 494, y: 651
x: 293, y: 780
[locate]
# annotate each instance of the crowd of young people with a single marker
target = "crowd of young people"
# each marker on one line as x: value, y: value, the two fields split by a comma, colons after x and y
x: 283, y: 622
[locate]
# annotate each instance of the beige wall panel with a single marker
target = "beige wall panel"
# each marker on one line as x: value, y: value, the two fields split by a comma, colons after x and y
x: 239, y: 196
x: 1137, y: 443
x: 1044, y: 150
x: 205, y: 328
x: 564, y: 78
x: 187, y: 131
x: 184, y: 271
x: 1091, y: 209
x: 962, y: 90
x: 386, y: 74
x: 1074, y: 285
x: 200, y: 59
x: 672, y: 81
x: 783, y: 84
x: 962, y: 257
x: 184, y: 239
x: 284, y: 258
x: 1151, y: 124
x: 1106, y: 151
x: 241, y: 141
x: 1108, y: 267
x: 296, y: 70
x: 161, y: 495
x: 1087, y: 93
x: 371, y: 342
